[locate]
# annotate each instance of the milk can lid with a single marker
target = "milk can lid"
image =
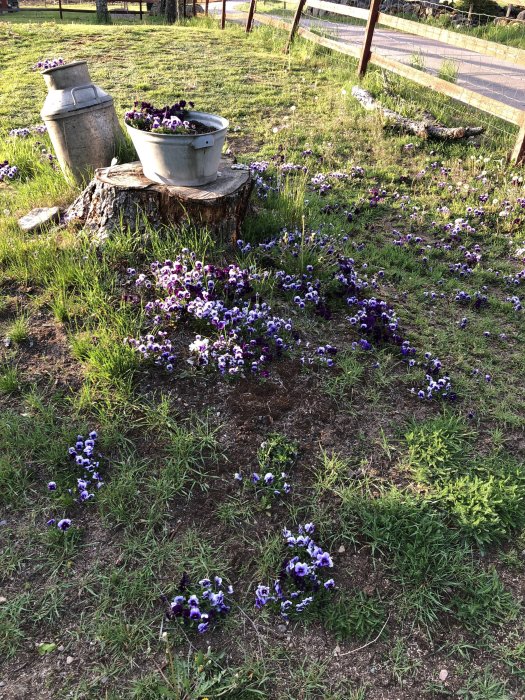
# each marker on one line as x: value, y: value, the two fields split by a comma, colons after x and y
x: 60, y: 103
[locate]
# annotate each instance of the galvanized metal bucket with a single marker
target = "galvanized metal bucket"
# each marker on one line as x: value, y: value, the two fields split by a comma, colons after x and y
x: 81, y: 120
x: 185, y: 160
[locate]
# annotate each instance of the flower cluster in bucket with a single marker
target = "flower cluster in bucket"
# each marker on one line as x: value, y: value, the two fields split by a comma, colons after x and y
x: 305, y: 577
x: 46, y: 63
x: 275, y: 456
x: 82, y: 454
x: 239, y: 332
x: 200, y: 607
x: 174, y: 119
x: 7, y: 171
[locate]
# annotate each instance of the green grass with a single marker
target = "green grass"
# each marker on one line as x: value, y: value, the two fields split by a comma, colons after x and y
x: 448, y: 71
x: 355, y: 617
x: 484, y: 496
x: 18, y: 331
x: 9, y: 380
x: 420, y: 503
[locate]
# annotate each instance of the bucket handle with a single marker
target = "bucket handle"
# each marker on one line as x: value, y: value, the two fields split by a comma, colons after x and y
x: 82, y: 87
x: 203, y: 141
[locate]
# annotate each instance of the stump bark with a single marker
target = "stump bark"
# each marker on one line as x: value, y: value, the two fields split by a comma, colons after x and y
x: 121, y: 196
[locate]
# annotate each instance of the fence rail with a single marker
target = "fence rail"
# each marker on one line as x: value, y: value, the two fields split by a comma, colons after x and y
x: 367, y: 55
x: 345, y: 10
x: 445, y: 36
x: 80, y: 10
x: 61, y: 10
x: 116, y: 7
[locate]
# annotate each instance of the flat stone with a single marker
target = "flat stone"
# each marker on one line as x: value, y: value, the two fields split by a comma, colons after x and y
x: 38, y: 217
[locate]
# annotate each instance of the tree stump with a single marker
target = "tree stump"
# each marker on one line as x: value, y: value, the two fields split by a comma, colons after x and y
x: 121, y: 196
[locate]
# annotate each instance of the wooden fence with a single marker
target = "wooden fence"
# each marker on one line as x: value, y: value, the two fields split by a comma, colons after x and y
x: 365, y: 55
x: 122, y: 9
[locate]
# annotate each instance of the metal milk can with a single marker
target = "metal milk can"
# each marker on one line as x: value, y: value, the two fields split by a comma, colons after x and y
x: 81, y: 120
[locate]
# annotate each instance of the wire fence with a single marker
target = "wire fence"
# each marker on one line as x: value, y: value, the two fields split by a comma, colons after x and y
x: 491, y: 76
x: 503, y: 28
x: 83, y: 10
x: 486, y: 75
x: 499, y: 28
x: 119, y: 10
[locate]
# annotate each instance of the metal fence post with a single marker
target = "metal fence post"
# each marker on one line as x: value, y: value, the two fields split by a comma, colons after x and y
x: 251, y: 12
x: 223, y: 16
x: 295, y: 24
x: 373, y: 12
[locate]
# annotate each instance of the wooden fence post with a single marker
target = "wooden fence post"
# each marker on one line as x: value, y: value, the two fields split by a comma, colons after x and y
x: 194, y: 8
x: 373, y: 12
x: 223, y: 16
x: 295, y: 24
x: 518, y: 154
x: 206, y: 7
x: 251, y: 12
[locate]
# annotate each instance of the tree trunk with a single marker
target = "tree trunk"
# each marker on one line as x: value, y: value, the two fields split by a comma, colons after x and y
x: 120, y: 196
x: 102, y: 11
x: 171, y: 11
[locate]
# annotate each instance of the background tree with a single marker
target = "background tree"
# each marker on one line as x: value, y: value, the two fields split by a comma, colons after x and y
x: 479, y: 7
x: 102, y: 11
x: 171, y: 11
x: 174, y: 10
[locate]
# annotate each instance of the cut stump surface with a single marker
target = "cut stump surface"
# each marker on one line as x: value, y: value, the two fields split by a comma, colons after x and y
x: 121, y: 196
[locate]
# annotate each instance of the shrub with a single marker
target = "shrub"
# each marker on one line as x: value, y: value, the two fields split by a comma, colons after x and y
x: 437, y: 449
x: 482, y: 7
x: 487, y: 507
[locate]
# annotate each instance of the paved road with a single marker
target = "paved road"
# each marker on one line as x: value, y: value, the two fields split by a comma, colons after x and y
x: 484, y: 74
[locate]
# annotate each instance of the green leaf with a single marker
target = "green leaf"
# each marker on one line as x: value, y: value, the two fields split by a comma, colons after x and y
x: 44, y: 648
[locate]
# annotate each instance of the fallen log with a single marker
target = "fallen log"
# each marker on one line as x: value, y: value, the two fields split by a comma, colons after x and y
x: 122, y: 197
x: 428, y: 127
